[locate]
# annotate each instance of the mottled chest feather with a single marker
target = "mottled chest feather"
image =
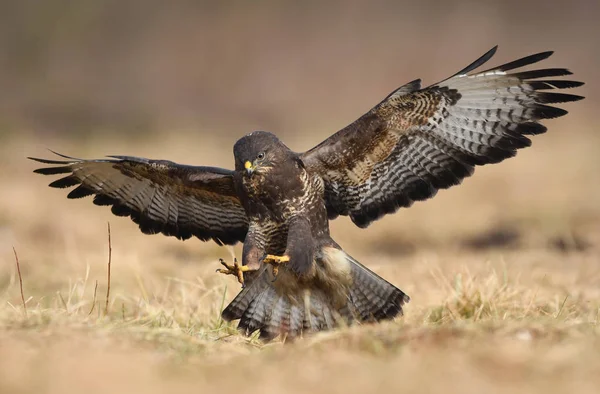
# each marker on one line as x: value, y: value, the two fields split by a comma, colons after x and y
x: 272, y: 207
x: 281, y: 194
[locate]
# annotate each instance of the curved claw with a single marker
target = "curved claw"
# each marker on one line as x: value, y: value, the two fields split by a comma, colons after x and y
x: 223, y: 263
x: 234, y: 269
x: 275, y: 262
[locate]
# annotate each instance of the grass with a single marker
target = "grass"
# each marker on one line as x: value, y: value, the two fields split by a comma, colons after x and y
x: 503, y: 272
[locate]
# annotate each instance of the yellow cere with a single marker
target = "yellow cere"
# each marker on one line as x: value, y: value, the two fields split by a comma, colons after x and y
x: 247, y: 165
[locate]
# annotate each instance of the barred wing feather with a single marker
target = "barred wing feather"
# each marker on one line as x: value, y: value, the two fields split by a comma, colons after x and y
x: 417, y: 141
x: 159, y: 195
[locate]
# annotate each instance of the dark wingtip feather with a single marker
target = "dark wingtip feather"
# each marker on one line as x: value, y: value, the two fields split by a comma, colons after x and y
x: 525, y: 61
x: 421, y: 190
x: 46, y: 161
x: 479, y: 62
x: 65, y: 182
x: 149, y: 228
x: 79, y: 192
x: 53, y: 170
x: 366, y: 215
x: 530, y: 128
x: 65, y: 156
x: 547, y: 112
x: 120, y: 210
x: 130, y: 158
x: 103, y: 200
x: 551, y: 98
x: 542, y: 73
x: 512, y: 142
x: 493, y: 155
x: 556, y: 84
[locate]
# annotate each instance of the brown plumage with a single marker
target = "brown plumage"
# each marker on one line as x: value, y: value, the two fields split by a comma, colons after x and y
x: 279, y: 203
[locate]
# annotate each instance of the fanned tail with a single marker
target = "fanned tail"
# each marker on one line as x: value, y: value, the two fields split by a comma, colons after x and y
x: 293, y: 310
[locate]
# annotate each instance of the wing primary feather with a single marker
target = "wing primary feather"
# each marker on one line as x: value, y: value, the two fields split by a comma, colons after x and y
x: 556, y: 84
x: 542, y: 73
x: 104, y: 200
x: 80, y: 191
x: 525, y: 61
x: 120, y: 210
x: 65, y: 182
x: 134, y: 159
x: 542, y: 111
x: 47, y: 161
x: 65, y: 156
x: 530, y: 128
x: 53, y: 170
x: 551, y: 98
x: 477, y: 63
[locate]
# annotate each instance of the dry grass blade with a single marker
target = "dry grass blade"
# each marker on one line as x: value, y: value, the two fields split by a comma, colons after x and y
x: 20, y: 281
x: 94, y: 298
x: 109, y: 264
x: 62, y: 301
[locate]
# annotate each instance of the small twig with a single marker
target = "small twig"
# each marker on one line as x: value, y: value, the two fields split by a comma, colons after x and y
x: 94, y: 300
x: 533, y: 298
x: 123, y: 310
x: 20, y: 281
x: 561, y: 307
x: 109, y: 261
x: 220, y: 321
x: 62, y: 300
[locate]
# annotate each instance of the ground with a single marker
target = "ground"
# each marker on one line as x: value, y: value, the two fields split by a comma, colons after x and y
x: 503, y: 273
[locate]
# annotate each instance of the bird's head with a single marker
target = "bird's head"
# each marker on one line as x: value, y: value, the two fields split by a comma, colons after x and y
x: 259, y: 152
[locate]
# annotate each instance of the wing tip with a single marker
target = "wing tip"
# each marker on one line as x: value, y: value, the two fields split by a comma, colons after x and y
x: 522, y: 62
x: 536, y: 57
x: 64, y: 156
x: 492, y: 51
x: 479, y: 62
x: 555, y: 98
x: 53, y: 170
x: 55, y: 162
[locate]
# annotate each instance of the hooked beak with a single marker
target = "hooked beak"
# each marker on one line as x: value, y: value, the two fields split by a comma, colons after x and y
x: 249, y: 167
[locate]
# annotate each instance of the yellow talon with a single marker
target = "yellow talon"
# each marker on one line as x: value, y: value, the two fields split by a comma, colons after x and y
x: 275, y: 261
x: 234, y: 269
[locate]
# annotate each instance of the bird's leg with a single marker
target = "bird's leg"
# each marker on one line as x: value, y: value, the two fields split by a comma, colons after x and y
x: 234, y: 269
x: 275, y: 262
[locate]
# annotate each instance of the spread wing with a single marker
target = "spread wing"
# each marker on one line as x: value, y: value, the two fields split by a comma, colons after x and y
x: 417, y: 141
x: 159, y: 195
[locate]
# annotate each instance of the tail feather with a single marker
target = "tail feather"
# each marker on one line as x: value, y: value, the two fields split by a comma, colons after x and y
x: 297, y: 320
x: 236, y: 310
x: 373, y: 297
x: 310, y: 308
x: 259, y: 311
x: 280, y: 320
x: 321, y: 317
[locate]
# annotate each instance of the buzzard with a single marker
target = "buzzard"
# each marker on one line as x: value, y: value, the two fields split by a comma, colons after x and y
x: 295, y: 278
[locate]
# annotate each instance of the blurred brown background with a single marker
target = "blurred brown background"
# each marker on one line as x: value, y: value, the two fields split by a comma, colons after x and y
x: 87, y: 67
x: 183, y: 80
x: 503, y: 271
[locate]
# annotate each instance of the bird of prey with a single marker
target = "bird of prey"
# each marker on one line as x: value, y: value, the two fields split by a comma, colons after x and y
x: 296, y: 278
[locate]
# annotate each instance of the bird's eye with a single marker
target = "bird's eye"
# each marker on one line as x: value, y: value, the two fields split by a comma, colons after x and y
x: 260, y: 156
